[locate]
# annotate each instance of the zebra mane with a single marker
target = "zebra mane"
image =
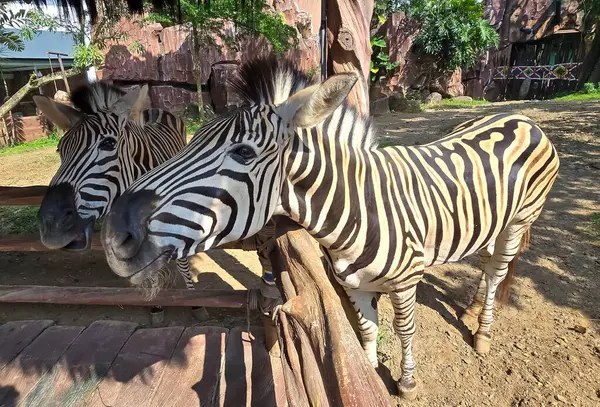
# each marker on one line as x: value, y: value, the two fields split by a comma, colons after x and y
x: 95, y: 97
x: 269, y: 81
x: 273, y: 80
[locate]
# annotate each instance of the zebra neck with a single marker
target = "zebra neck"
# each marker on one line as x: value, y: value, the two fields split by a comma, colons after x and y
x: 324, y: 189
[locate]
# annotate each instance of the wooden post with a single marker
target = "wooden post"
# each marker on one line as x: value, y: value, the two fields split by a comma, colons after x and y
x: 323, y: 362
x: 62, y: 68
x: 349, y: 40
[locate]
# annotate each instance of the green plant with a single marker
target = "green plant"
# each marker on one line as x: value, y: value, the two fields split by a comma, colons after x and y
x: 136, y: 47
x: 44, y: 142
x: 453, y: 33
x: 18, y: 219
x: 596, y: 224
x: 590, y: 88
x: 209, y: 21
x: 380, y: 59
x: 11, y: 40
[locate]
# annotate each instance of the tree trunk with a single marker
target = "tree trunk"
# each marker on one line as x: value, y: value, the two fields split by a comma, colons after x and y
x: 348, y: 37
x: 592, y: 58
x: 323, y: 362
x: 198, y: 69
x: 33, y: 83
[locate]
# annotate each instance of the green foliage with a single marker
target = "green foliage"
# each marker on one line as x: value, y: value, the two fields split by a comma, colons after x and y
x: 591, y: 88
x: 85, y: 56
x: 211, y: 18
x: 89, y: 42
x: 380, y: 59
x: 50, y: 141
x: 136, y: 47
x: 18, y: 219
x: 192, y: 124
x: 453, y: 32
x: 382, y: 10
x: 8, y: 19
x: 596, y: 224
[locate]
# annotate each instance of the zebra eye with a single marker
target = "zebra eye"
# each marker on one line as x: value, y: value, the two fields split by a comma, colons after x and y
x: 108, y: 144
x: 244, y: 152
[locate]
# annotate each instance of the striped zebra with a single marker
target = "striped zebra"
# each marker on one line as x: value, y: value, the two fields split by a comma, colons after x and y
x: 110, y: 141
x: 381, y: 215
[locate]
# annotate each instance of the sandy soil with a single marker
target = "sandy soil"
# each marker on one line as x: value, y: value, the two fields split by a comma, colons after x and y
x: 537, y: 357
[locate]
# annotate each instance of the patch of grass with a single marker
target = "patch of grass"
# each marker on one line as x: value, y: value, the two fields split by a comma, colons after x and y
x: 384, y: 335
x: 457, y: 104
x: 44, y: 142
x: 596, y: 224
x: 18, y: 219
x: 576, y: 97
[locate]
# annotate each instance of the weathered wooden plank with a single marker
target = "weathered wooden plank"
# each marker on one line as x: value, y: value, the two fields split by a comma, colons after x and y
x: 38, y: 358
x: 123, y: 296
x: 32, y: 243
x: 191, y: 378
x: 86, y: 362
x: 136, y: 372
x: 22, y: 195
x: 16, y: 335
x: 250, y: 378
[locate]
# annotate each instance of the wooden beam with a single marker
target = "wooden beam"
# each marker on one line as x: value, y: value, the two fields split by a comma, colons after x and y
x: 17, y: 196
x: 32, y: 243
x: 126, y: 296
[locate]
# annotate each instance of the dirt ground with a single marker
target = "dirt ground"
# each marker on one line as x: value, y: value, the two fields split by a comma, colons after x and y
x: 537, y: 357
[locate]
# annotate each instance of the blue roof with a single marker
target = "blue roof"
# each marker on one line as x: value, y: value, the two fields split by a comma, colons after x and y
x: 41, y: 43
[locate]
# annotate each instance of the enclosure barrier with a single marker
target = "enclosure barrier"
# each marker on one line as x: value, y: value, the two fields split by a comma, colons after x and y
x: 129, y: 296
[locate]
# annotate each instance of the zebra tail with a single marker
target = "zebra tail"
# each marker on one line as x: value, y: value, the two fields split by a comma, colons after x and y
x: 504, y: 289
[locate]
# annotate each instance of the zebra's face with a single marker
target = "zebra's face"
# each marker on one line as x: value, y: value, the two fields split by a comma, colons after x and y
x: 223, y: 187
x: 90, y: 176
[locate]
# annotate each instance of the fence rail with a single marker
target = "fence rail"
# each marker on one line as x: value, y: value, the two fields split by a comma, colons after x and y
x: 18, y: 196
x: 128, y: 296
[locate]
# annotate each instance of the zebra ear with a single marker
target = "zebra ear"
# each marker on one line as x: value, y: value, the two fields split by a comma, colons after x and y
x: 131, y: 104
x: 312, y: 105
x: 61, y: 115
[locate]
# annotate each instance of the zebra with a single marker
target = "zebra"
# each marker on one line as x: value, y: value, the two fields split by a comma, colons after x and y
x: 109, y: 141
x: 381, y: 215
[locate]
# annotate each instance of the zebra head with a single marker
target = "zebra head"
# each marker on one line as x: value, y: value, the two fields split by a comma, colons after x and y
x: 226, y: 183
x: 90, y: 176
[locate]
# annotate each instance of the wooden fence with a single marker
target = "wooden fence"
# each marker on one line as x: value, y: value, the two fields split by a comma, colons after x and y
x: 18, y: 196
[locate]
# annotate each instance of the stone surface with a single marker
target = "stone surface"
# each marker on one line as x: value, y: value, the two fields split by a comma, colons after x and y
x: 220, y: 91
x: 433, y: 98
x: 175, y: 99
x: 380, y: 107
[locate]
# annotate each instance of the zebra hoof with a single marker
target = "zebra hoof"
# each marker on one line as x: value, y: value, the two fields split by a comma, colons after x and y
x: 482, y: 343
x: 408, y: 389
x: 200, y: 313
x: 157, y: 316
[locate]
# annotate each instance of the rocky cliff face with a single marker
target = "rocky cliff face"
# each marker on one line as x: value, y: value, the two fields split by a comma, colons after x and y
x: 163, y: 58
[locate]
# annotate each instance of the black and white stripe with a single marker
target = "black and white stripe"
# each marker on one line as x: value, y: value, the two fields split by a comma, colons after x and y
x: 382, y: 215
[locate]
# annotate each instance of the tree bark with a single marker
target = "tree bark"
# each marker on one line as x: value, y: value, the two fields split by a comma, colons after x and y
x: 32, y: 84
x: 348, y: 37
x: 592, y: 58
x: 324, y: 364
x: 198, y: 69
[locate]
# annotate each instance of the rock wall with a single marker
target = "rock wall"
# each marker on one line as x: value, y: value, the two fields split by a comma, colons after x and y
x: 163, y: 57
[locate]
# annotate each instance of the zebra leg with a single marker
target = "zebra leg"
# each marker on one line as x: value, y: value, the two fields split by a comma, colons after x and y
x: 365, y: 304
x: 404, y: 326
x: 183, y: 266
x: 469, y: 315
x: 507, y: 247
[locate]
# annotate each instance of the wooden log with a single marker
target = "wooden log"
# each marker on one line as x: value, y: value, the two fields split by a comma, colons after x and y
x: 315, y: 335
x: 17, y: 196
x: 348, y: 38
x: 32, y: 243
x: 125, y: 296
